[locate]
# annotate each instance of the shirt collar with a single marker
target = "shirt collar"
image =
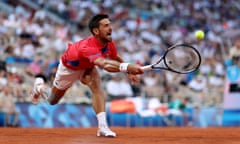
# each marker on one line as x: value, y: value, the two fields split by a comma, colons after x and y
x: 98, y: 43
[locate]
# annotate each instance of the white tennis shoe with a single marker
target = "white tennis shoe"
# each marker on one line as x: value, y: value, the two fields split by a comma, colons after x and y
x: 105, y: 132
x: 35, y: 94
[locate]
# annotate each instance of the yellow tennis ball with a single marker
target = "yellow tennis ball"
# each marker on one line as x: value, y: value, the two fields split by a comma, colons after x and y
x: 199, y: 34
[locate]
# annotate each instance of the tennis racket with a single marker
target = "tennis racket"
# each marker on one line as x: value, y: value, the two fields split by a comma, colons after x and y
x: 179, y: 58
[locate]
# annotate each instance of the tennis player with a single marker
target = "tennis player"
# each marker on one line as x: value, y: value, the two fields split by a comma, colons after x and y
x: 79, y: 62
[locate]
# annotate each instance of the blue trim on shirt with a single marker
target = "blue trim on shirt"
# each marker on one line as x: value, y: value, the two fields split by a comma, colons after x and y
x: 104, y: 50
x: 74, y: 63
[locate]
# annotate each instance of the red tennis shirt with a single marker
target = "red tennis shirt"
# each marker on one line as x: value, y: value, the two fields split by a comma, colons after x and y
x: 81, y: 54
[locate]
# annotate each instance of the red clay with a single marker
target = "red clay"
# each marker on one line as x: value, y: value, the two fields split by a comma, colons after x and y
x: 125, y: 136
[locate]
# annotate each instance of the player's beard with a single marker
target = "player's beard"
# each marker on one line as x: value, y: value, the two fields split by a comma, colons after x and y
x: 108, y: 38
x: 105, y: 38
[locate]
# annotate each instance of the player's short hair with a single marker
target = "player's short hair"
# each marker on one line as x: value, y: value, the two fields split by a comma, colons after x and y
x: 94, y: 22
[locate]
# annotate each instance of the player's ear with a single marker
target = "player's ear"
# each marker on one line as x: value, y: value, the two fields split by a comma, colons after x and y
x: 96, y: 31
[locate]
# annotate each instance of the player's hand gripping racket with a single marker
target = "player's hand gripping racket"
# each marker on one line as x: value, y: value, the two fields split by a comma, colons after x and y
x: 180, y: 58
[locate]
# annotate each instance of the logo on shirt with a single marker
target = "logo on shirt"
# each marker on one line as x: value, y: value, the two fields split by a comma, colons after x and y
x: 94, y: 55
x: 73, y: 63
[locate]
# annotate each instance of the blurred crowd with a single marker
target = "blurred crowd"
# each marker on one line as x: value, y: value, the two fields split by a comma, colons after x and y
x: 34, y: 34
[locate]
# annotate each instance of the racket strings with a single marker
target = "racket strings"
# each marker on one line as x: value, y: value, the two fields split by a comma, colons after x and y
x: 182, y: 59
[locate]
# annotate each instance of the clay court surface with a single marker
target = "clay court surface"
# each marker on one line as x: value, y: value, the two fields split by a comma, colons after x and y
x: 125, y: 136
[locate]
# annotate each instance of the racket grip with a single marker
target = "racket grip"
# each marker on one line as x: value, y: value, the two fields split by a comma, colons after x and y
x: 147, y: 68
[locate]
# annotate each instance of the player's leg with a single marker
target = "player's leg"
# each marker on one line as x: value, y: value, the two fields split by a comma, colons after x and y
x: 54, y: 96
x: 63, y: 80
x: 91, y: 78
x: 51, y: 95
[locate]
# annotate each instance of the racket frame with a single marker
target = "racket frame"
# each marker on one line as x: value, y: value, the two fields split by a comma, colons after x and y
x: 152, y: 66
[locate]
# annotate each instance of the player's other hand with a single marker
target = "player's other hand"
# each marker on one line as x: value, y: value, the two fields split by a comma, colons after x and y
x: 134, y: 69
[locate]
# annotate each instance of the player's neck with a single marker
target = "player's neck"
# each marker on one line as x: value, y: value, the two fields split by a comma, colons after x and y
x: 101, y: 42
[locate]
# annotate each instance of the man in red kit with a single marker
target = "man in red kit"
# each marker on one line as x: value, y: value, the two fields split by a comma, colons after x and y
x: 79, y: 62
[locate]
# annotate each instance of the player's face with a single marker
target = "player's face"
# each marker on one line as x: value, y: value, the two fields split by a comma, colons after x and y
x: 105, y: 30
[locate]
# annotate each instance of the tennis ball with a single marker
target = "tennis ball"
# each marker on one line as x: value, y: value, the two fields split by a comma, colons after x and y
x: 199, y: 34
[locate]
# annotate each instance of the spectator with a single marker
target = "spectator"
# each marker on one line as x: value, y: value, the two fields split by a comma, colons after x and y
x: 24, y: 47
x: 152, y: 85
x: 197, y: 89
x: 118, y: 88
x: 8, y: 106
x: 3, y: 79
x: 234, y: 52
x: 34, y: 68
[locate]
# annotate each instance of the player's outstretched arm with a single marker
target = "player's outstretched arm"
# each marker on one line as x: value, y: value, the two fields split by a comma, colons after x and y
x: 116, y: 66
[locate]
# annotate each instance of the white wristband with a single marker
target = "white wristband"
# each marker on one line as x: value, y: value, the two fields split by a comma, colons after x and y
x: 123, y: 67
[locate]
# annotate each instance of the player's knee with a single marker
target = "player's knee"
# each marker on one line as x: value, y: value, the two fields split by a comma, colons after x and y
x: 93, y: 82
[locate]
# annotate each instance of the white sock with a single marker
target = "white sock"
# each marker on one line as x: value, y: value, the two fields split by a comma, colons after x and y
x: 101, y: 117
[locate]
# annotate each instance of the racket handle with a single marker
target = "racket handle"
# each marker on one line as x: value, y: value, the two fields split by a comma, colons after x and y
x: 147, y: 68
